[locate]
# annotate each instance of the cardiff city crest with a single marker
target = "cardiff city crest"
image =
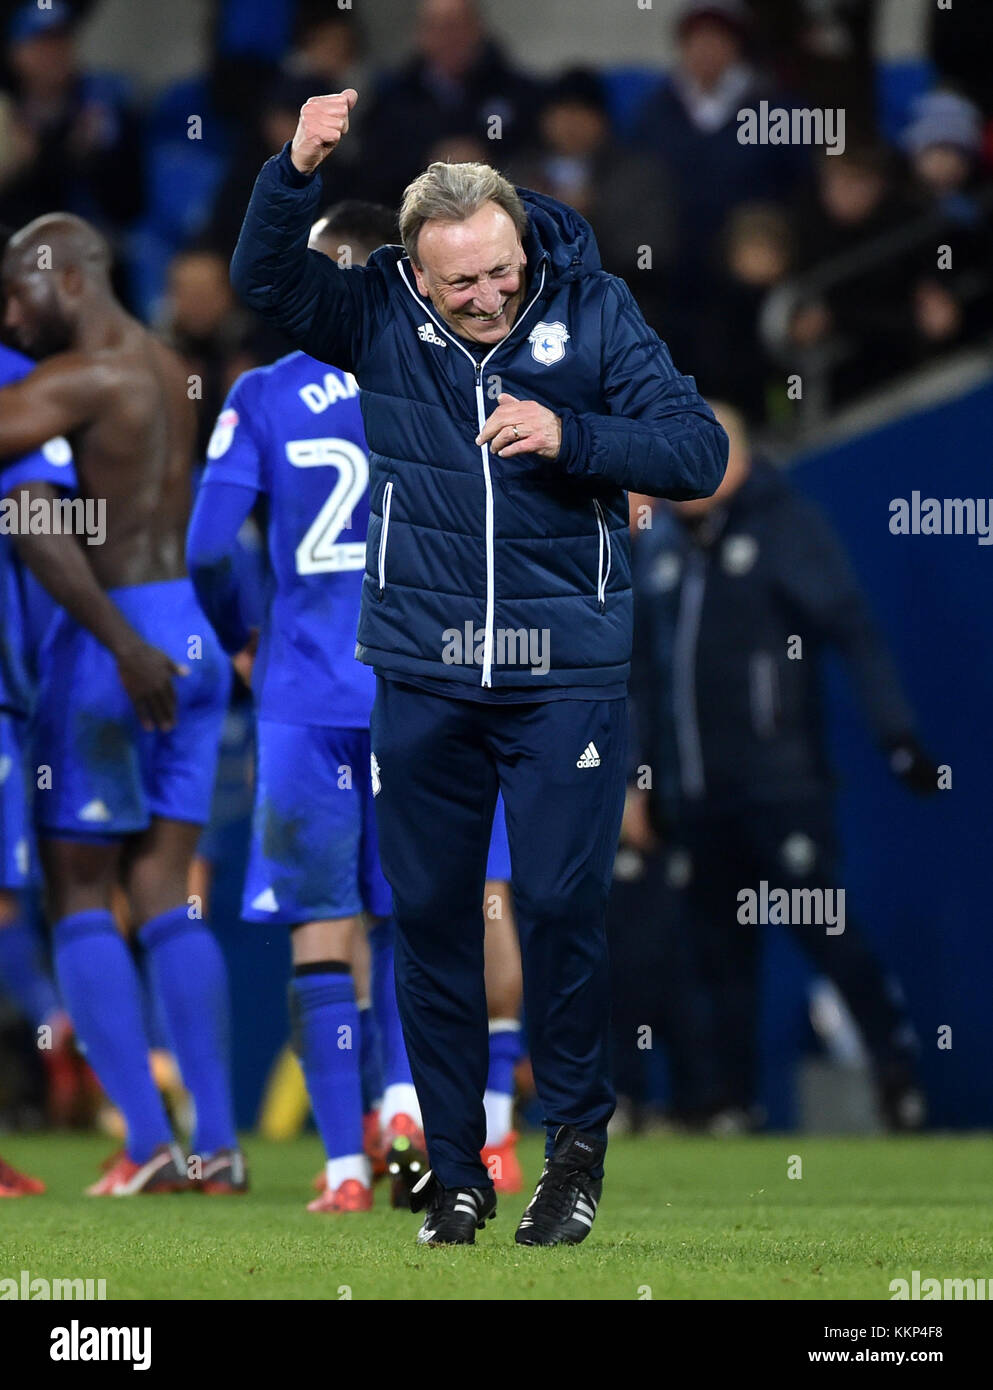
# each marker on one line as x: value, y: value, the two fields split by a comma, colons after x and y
x: 548, y: 342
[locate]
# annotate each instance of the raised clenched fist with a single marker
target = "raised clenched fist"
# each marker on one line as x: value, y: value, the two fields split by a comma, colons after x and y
x: 323, y: 121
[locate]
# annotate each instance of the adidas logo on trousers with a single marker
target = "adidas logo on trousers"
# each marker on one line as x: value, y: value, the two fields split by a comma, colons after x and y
x: 590, y: 757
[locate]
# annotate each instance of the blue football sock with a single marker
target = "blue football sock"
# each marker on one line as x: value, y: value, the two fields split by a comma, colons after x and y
x: 505, y: 1048
x: 370, y: 1059
x: 191, y: 983
x: 396, y: 1068
x: 322, y: 1007
x: 151, y: 1007
x: 498, y: 1102
x: 99, y: 985
x: 23, y: 973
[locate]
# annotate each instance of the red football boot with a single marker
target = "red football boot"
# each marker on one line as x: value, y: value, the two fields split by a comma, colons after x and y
x: 165, y: 1171
x: 503, y: 1164
x: 352, y: 1195
x: 15, y: 1184
x: 225, y: 1174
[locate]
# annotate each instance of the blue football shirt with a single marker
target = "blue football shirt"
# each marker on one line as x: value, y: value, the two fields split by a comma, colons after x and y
x: 293, y: 431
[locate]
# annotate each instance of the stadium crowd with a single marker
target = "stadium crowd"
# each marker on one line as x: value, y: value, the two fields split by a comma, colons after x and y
x: 704, y: 228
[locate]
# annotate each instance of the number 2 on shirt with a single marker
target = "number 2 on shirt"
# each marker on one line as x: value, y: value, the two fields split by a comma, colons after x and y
x: 320, y: 551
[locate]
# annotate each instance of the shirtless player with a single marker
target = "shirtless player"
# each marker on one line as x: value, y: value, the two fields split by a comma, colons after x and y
x: 133, y: 691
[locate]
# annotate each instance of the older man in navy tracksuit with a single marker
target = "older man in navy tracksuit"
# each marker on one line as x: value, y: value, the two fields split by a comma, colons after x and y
x: 511, y: 393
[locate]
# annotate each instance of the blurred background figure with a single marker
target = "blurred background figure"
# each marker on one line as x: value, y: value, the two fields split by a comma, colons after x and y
x: 944, y: 145
x: 456, y: 82
x: 857, y: 203
x: 326, y: 56
x: 578, y: 159
x: 735, y: 362
x: 71, y: 139
x: 690, y: 128
x: 737, y: 598
x: 208, y: 328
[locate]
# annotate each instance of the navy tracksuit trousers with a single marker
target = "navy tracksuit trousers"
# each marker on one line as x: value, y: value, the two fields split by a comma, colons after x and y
x: 440, y: 762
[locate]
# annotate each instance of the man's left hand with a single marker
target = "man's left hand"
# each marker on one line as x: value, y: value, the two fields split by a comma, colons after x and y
x: 521, y: 427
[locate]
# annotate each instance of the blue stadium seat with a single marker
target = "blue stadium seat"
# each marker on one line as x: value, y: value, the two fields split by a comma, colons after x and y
x: 898, y: 85
x: 627, y: 89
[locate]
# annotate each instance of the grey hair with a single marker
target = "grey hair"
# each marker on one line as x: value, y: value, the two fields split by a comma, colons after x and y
x: 452, y: 193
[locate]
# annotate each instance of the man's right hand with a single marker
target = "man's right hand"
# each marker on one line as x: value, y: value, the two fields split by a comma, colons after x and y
x: 147, y: 675
x: 323, y: 121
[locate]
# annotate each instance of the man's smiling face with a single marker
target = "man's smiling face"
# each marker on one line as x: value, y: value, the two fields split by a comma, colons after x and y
x: 473, y: 273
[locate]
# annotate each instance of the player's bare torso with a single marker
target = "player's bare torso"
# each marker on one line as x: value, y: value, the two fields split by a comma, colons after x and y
x: 135, y: 452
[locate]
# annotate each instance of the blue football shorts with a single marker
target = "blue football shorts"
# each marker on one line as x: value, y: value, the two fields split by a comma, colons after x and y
x: 314, y: 854
x: 108, y: 775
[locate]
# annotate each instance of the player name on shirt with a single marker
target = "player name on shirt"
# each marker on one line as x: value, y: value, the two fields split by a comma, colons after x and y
x: 337, y: 386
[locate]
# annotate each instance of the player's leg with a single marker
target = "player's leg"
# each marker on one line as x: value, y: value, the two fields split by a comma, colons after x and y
x: 99, y: 984
x: 799, y: 851
x: 326, y: 1039
x: 21, y: 969
x: 190, y: 980
x: 435, y: 790
x: 402, y: 1142
x: 25, y: 976
x: 726, y: 954
x: 370, y: 1048
x: 303, y: 874
x: 564, y: 800
x: 399, y: 1093
x: 89, y: 799
x: 178, y: 772
x: 503, y: 1002
x: 23, y: 972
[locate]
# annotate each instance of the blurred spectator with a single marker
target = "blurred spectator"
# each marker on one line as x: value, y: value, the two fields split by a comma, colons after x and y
x: 458, y: 80
x: 274, y: 123
x: 961, y: 42
x: 458, y: 149
x: 736, y: 364
x: 824, y: 48
x: 944, y: 143
x: 737, y: 597
x: 691, y: 127
x: 71, y: 140
x: 866, y: 320
x: 578, y: 161
x: 327, y: 46
x: 209, y: 330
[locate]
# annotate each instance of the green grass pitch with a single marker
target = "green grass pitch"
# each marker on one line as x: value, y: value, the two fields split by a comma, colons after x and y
x: 681, y: 1218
